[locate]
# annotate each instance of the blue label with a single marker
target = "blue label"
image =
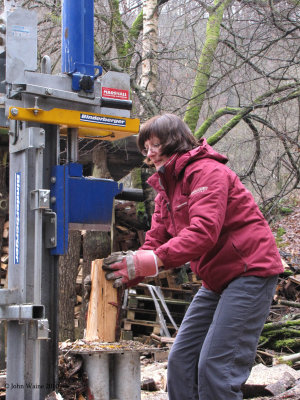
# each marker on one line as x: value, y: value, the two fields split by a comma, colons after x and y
x: 98, y: 119
x: 17, y: 217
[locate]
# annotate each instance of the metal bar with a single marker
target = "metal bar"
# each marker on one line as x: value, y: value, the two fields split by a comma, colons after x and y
x: 131, y: 195
x: 72, y: 145
x: 9, y: 296
x: 75, y: 119
x: 49, y: 296
x: 22, y: 312
x: 37, y: 266
x: 62, y: 95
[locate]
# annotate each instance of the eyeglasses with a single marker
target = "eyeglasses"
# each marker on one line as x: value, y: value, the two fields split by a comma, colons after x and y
x: 154, y: 147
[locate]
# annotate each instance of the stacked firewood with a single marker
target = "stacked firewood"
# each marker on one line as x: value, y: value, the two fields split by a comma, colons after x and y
x: 130, y: 226
x: 280, y: 338
x: 4, y: 256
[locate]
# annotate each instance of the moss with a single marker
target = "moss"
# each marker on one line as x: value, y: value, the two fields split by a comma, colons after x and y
x: 284, y: 332
x: 285, y: 210
x: 136, y: 178
x: 278, y: 325
x: 287, y: 343
x: 204, y: 65
x: 280, y: 232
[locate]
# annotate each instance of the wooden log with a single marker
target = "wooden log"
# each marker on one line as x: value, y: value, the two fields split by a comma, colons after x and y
x: 162, y: 339
x: 289, y: 303
x: 288, y: 359
x: 4, y: 266
x: 280, y: 324
x: 5, y: 230
x: 103, y: 307
x: 149, y: 385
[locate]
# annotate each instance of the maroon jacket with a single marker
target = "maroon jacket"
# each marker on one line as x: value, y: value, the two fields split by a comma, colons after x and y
x: 203, y: 214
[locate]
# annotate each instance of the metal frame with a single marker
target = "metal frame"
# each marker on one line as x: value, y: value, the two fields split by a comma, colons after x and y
x: 45, y: 197
x: 31, y: 269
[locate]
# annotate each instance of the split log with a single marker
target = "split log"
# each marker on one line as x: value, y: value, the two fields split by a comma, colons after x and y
x: 149, y: 385
x: 5, y: 230
x: 103, y: 307
x: 162, y: 339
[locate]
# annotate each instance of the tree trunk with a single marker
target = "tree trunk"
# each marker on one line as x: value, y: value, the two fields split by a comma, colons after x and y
x: 205, y: 63
x: 100, y: 169
x: 125, y: 48
x: 68, y: 270
x: 149, y: 51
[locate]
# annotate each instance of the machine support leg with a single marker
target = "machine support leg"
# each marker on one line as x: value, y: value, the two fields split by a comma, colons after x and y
x: 114, y: 376
x: 127, y: 376
x: 97, y: 369
x: 31, y: 269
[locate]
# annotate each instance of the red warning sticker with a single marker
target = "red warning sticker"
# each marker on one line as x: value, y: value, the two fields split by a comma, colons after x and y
x: 111, y: 93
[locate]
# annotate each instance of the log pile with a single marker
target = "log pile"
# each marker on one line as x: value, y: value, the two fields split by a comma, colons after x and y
x: 4, y: 256
x: 280, y: 338
x: 130, y: 226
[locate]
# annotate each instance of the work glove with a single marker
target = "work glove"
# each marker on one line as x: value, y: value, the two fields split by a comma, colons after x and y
x: 129, y: 268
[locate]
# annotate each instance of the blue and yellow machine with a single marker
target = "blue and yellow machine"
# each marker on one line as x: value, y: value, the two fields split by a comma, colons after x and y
x: 47, y: 198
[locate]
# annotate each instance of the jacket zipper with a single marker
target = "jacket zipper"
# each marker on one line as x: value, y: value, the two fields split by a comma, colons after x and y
x: 240, y: 254
x: 172, y: 217
x: 181, y: 205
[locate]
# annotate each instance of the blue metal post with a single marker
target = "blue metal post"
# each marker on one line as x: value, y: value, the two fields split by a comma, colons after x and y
x: 78, y: 36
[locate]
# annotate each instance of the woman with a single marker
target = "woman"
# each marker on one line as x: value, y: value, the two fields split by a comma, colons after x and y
x: 203, y: 214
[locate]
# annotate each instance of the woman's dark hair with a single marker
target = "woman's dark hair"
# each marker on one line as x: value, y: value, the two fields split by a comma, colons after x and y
x: 174, y: 134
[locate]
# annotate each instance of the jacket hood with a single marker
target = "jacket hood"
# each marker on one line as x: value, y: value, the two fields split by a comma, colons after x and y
x: 178, y: 162
x: 204, y: 150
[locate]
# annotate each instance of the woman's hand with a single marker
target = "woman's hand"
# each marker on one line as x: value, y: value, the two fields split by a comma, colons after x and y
x: 126, y: 267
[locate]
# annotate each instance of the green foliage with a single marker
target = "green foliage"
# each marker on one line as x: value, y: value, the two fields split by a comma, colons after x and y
x: 140, y: 208
x: 287, y: 343
x: 280, y: 232
x: 285, y: 210
x: 56, y: 19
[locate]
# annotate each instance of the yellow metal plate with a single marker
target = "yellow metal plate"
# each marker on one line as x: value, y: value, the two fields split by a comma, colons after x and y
x: 90, y: 125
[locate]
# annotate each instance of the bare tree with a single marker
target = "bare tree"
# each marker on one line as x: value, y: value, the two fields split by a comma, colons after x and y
x: 230, y: 68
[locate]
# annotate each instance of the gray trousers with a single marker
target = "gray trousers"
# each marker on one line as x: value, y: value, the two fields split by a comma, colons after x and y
x: 215, y: 347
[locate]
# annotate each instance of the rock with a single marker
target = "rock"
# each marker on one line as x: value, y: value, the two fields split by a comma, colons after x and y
x: 286, y: 382
x: 156, y: 372
x: 262, y: 375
